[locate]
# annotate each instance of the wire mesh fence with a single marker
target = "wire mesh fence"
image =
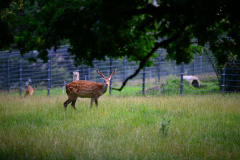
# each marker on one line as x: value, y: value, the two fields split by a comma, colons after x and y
x: 164, y: 77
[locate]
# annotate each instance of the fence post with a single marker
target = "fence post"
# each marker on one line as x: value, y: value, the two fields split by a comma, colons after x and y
x: 124, y: 64
x: 79, y: 73
x: 49, y: 72
x: 128, y: 71
x: 64, y: 83
x: 159, y: 66
x: 175, y: 69
x: 88, y: 73
x: 150, y: 74
x: 8, y: 74
x: 193, y: 64
x: 82, y: 71
x: 201, y: 65
x: 223, y: 80
x: 20, y: 74
x: 51, y: 69
x: 181, y: 85
x: 143, y: 82
x: 110, y: 86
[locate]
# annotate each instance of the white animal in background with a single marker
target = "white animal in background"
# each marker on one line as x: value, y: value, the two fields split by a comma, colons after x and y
x: 87, y: 89
x: 28, y: 81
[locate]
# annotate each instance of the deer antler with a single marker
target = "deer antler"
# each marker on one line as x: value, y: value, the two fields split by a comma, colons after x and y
x: 112, y: 73
x: 100, y: 73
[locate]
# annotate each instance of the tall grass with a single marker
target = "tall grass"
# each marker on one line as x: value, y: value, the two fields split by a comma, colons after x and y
x: 202, y: 127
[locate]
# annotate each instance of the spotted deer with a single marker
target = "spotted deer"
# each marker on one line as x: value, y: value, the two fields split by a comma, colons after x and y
x: 87, y: 89
x: 29, y: 91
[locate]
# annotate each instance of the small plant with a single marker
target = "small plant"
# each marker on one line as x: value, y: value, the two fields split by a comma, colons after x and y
x: 164, y: 128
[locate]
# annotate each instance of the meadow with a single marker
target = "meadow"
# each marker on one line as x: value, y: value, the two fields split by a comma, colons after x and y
x: 121, y: 127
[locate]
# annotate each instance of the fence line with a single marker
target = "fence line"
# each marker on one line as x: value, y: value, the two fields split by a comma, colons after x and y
x: 49, y: 78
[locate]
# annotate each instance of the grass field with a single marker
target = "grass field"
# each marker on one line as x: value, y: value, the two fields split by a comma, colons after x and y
x: 129, y: 127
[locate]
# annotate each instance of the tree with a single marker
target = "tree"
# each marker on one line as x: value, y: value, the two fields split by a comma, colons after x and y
x: 6, y: 37
x: 133, y: 28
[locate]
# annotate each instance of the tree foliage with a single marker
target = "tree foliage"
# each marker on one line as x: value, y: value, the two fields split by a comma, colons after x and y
x: 133, y: 28
x: 6, y: 37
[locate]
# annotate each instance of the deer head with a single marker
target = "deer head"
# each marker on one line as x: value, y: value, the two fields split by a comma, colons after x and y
x: 106, y: 79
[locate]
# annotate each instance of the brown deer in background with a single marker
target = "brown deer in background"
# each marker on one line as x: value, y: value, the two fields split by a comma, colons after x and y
x: 87, y: 89
x: 29, y: 91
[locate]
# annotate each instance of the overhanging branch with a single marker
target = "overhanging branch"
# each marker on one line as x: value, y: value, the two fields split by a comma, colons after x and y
x: 164, y: 44
x: 234, y: 66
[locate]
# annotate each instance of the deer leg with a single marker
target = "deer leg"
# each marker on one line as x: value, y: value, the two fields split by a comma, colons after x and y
x: 91, y: 102
x: 96, y: 102
x: 66, y: 103
x: 73, y: 103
